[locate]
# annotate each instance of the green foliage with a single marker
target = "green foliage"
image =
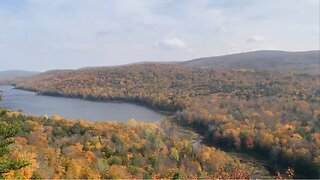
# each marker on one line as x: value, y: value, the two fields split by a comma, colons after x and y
x: 7, y: 132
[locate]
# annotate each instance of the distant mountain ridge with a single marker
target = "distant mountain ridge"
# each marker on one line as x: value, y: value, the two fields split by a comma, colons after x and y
x: 270, y: 60
x: 16, y: 73
x: 302, y: 62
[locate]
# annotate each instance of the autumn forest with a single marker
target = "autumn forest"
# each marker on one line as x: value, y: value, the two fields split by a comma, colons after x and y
x: 159, y: 89
x: 270, y: 116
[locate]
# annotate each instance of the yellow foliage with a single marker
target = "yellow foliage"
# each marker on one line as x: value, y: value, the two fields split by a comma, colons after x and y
x: 289, y: 127
x: 267, y: 139
x: 74, y: 150
x: 45, y: 117
x: 25, y: 172
x: 13, y: 114
x: 60, y: 170
x: 88, y: 173
x: 90, y: 156
x: 73, y: 170
x: 8, y: 175
x: 206, y: 154
x: 98, y: 146
x: 84, y: 124
x: 132, y: 122
x: 117, y: 172
x: 56, y: 118
x: 232, y: 132
x: 268, y: 113
x: 88, y: 145
x: 174, y: 153
x: 297, y: 136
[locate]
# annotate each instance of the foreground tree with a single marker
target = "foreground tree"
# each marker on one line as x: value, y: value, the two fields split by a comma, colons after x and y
x: 7, y: 132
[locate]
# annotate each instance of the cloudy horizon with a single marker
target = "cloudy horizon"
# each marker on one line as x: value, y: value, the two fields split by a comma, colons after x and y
x: 40, y: 35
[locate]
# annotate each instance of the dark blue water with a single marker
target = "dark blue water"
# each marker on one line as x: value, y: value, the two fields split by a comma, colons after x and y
x: 32, y: 104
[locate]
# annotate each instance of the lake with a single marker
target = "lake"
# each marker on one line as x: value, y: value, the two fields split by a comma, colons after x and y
x: 33, y: 104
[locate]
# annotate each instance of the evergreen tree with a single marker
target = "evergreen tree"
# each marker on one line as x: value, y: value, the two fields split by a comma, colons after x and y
x: 7, y: 132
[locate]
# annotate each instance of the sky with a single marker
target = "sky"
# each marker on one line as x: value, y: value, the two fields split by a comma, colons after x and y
x: 40, y: 35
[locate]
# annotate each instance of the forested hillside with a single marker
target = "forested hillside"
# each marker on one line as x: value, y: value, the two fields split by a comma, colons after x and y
x: 275, y: 115
x: 160, y: 89
x: 303, y: 62
x: 57, y: 148
x: 170, y: 87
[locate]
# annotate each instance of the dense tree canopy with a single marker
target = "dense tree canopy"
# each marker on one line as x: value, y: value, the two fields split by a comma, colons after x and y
x: 80, y: 150
x: 275, y: 114
x: 171, y: 87
x: 285, y: 132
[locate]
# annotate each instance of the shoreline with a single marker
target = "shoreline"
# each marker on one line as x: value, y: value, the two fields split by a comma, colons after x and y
x: 162, y: 111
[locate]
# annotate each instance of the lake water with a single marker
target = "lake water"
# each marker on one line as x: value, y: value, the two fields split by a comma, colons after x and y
x: 33, y: 104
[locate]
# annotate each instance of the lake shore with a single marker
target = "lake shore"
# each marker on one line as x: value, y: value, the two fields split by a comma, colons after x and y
x: 136, y: 101
x: 75, y: 108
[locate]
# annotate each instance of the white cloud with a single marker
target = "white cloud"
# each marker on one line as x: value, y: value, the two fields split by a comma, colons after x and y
x: 255, y: 39
x: 234, y: 48
x: 76, y: 33
x: 173, y: 43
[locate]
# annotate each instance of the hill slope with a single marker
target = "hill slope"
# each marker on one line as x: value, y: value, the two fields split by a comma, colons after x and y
x: 16, y: 73
x: 304, y: 61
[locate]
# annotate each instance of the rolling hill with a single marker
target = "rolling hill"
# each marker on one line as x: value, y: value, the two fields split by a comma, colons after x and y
x: 274, y: 115
x: 16, y: 73
x: 301, y: 62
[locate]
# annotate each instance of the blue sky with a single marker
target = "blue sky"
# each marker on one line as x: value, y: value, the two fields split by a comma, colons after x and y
x: 50, y: 34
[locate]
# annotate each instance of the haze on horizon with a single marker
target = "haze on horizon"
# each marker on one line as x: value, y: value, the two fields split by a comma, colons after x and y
x: 40, y: 35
